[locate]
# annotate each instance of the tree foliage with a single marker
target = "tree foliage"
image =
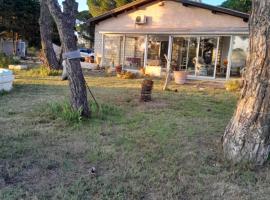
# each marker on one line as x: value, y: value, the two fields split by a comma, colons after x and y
x: 83, y: 29
x: 240, y: 5
x: 21, y: 17
x: 98, y: 7
x: 83, y: 15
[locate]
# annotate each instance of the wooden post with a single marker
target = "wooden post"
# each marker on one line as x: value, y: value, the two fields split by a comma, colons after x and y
x: 124, y: 51
x: 229, y: 60
x: 197, y: 53
x: 102, y: 50
x: 215, y: 69
x: 145, y: 51
x: 169, y: 58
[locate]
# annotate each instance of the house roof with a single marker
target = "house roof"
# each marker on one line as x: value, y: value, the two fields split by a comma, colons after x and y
x: 138, y: 3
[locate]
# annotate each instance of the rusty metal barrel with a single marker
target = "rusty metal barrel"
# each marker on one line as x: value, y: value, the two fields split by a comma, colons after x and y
x: 146, y: 92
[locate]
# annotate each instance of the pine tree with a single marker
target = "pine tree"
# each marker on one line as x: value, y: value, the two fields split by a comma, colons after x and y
x: 83, y: 29
x: 98, y: 7
x: 247, y: 136
x: 240, y: 5
x: 65, y: 21
x: 21, y: 17
x: 121, y: 2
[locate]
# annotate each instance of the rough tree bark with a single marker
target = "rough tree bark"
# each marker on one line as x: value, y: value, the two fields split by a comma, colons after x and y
x: 46, y: 27
x: 247, y: 136
x: 168, y: 74
x: 65, y: 22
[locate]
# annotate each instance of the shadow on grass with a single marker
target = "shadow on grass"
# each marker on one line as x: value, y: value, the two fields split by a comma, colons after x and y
x: 165, y: 148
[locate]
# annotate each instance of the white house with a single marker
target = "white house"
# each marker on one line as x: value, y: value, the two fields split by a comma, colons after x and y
x: 208, y: 42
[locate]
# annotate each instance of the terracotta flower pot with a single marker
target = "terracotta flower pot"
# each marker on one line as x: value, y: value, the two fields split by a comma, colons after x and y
x: 118, y: 69
x: 180, y: 77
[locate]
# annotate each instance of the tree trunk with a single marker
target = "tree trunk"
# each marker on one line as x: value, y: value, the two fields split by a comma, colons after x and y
x: 46, y: 27
x: 13, y: 42
x: 168, y: 73
x: 246, y: 138
x: 65, y: 22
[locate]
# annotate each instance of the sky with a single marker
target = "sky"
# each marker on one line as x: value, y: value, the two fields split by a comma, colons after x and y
x: 83, y: 5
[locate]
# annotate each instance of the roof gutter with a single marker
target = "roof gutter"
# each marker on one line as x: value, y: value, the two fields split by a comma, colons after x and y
x: 186, y: 33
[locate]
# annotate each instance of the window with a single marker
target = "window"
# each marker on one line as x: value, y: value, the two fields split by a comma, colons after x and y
x: 134, y: 52
x: 112, y: 50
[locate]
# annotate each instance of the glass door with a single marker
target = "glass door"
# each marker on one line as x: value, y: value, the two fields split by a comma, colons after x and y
x: 157, y: 49
x: 207, y: 56
x: 184, y: 54
x: 192, y: 55
x: 199, y: 56
x: 223, y: 57
x: 179, y: 53
x: 240, y: 45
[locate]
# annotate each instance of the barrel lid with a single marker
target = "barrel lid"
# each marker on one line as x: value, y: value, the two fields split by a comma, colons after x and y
x: 5, y: 72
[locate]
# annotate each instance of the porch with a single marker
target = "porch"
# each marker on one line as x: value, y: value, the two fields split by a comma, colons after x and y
x: 204, y: 57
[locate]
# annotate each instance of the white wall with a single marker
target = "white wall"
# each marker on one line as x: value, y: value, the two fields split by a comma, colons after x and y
x: 6, y: 47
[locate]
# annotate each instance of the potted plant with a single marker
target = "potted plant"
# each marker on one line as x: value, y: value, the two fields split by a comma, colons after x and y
x: 180, y: 76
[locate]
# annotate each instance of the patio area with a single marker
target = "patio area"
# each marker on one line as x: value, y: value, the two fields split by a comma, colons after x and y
x: 203, y: 57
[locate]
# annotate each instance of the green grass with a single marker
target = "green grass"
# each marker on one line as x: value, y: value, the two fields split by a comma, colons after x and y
x: 42, y: 71
x: 64, y: 111
x: 165, y: 149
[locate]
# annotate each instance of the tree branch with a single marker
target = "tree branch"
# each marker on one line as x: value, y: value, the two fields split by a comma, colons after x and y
x: 70, y: 7
x: 54, y: 8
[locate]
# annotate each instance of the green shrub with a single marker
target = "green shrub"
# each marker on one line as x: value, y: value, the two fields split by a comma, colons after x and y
x: 54, y: 72
x: 64, y: 111
x: 43, y: 72
x: 233, y: 85
x: 5, y: 61
x: 32, y: 51
x: 3, y: 93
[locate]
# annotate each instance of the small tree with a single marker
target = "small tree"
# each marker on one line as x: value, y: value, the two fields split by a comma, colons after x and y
x: 247, y: 136
x: 65, y: 21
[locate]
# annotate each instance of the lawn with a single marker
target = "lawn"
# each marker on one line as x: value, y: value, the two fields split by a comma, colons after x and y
x: 165, y: 149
